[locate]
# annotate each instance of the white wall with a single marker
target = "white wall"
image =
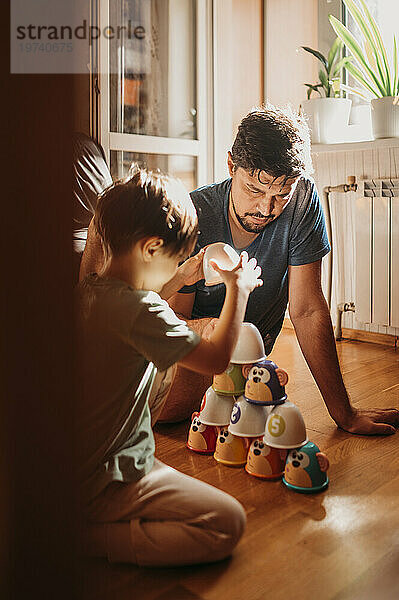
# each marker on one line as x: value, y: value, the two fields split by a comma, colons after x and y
x: 238, y: 70
x: 290, y: 24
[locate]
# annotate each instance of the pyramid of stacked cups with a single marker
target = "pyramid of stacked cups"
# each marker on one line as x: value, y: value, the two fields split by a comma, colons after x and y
x: 246, y: 420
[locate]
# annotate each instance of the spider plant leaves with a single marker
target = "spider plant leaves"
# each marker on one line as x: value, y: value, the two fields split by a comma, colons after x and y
x: 374, y: 57
x: 360, y: 77
x: 351, y: 90
x: 318, y: 55
x: 349, y: 40
x: 395, y: 86
x: 332, y: 55
x: 380, y: 43
x: 340, y: 65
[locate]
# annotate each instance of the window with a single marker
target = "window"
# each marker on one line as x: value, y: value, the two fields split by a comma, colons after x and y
x: 153, y: 87
x: 386, y: 13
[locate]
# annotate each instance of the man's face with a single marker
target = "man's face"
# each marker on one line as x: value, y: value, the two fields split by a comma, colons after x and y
x: 257, y: 202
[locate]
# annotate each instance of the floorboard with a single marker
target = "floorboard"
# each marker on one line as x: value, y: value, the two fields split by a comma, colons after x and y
x: 342, y: 544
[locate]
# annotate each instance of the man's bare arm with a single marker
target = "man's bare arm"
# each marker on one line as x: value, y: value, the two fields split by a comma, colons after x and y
x: 182, y: 304
x: 312, y: 323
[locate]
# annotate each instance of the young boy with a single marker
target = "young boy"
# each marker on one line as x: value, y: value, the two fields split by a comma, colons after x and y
x: 140, y: 510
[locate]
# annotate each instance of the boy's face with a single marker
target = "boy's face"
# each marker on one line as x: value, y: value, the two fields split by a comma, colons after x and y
x: 160, y: 269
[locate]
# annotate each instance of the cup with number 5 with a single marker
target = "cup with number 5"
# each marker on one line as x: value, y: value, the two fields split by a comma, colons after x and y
x: 285, y: 427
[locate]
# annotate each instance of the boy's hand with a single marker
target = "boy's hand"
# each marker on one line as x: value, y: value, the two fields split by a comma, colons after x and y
x: 245, y: 276
x: 209, y: 329
x: 191, y: 270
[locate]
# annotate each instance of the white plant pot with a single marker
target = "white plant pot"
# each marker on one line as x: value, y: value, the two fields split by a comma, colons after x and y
x: 328, y: 119
x: 385, y: 117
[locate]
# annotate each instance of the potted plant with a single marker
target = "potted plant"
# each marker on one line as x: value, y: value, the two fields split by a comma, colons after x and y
x: 370, y: 67
x: 328, y: 114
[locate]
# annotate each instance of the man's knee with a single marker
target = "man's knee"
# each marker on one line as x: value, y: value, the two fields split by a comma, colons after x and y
x: 185, y: 395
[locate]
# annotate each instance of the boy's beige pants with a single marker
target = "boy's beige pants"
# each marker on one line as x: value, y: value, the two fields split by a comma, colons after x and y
x: 167, y: 518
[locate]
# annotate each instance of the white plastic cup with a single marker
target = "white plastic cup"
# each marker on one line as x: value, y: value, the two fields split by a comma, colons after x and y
x: 224, y: 255
x: 250, y: 347
x: 216, y: 408
x: 248, y: 420
x: 285, y: 427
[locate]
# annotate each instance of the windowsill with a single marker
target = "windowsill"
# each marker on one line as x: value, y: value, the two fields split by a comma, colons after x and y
x: 348, y: 146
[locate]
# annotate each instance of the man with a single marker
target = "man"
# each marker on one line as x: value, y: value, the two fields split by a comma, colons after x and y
x: 270, y: 207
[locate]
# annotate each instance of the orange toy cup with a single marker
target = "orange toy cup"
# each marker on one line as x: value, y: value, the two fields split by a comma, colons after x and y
x: 201, y: 438
x: 264, y: 461
x: 231, y: 450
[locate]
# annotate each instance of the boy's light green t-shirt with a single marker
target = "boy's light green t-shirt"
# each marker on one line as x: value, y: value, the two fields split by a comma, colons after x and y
x: 124, y: 336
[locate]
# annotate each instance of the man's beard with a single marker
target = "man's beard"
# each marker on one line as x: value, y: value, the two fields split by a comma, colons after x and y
x: 247, y: 225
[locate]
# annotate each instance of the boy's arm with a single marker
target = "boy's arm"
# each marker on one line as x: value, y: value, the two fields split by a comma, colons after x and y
x: 213, y: 355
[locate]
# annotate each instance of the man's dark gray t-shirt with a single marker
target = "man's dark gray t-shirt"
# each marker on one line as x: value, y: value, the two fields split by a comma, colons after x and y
x: 297, y: 237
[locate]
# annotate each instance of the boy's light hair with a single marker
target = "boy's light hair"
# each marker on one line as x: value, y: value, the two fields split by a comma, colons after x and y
x: 146, y: 204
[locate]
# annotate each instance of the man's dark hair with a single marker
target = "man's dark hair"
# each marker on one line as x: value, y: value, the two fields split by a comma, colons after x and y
x: 146, y: 204
x: 273, y: 140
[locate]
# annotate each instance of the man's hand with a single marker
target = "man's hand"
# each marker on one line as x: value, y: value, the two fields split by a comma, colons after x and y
x: 191, y: 270
x: 375, y: 421
x: 188, y: 273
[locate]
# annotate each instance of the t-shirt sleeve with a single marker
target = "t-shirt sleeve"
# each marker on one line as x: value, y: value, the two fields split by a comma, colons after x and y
x: 188, y: 289
x: 308, y: 235
x: 159, y: 335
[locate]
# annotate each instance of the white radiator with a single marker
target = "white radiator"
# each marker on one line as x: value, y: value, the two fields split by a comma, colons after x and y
x: 377, y: 252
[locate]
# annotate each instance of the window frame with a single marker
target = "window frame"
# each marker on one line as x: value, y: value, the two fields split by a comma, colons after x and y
x: 200, y: 148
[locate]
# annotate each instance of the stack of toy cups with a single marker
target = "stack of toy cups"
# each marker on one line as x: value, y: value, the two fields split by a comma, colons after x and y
x: 230, y: 450
x: 246, y: 422
x: 265, y: 387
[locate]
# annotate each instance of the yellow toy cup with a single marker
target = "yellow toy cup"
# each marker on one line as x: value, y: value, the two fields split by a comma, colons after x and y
x: 231, y: 450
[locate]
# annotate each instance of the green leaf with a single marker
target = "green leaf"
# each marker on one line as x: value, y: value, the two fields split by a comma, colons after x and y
x: 380, y: 43
x: 318, y: 55
x: 395, y: 87
x: 356, y: 51
x: 341, y: 64
x: 332, y: 55
x: 313, y: 88
x: 376, y: 62
x: 359, y: 76
x: 351, y: 90
x: 325, y: 82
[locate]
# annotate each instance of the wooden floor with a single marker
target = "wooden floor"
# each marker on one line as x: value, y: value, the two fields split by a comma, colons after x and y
x: 342, y: 544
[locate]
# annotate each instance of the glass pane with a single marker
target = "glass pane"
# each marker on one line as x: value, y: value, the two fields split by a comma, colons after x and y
x: 386, y: 13
x: 152, y: 81
x: 183, y: 167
